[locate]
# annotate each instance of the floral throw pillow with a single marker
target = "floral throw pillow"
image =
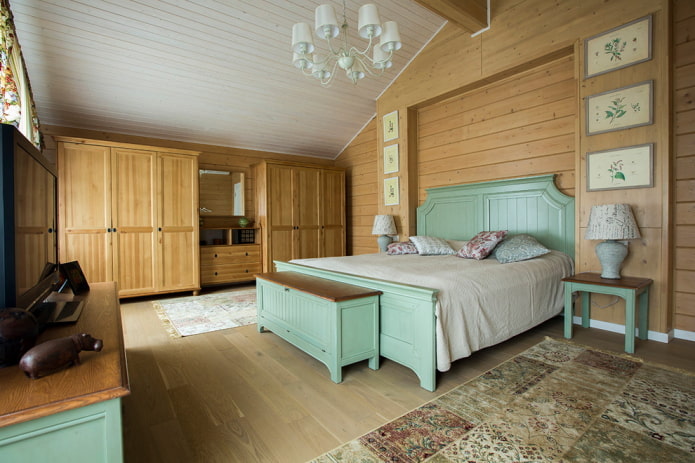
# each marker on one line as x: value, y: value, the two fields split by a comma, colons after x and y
x: 519, y: 247
x: 431, y: 246
x: 481, y: 245
x: 400, y: 248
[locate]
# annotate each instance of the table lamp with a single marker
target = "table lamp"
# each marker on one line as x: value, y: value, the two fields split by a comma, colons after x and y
x: 611, y: 222
x: 384, y: 226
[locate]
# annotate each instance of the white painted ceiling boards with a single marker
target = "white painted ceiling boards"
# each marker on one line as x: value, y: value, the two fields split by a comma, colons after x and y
x: 204, y: 71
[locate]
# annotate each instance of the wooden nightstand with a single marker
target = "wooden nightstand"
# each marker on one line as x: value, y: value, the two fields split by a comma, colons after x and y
x: 627, y: 287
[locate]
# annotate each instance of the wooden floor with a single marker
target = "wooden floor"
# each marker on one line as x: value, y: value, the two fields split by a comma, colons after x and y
x: 240, y: 396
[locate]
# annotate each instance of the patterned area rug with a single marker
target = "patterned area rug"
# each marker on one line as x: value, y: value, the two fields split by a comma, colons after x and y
x: 555, y: 402
x: 186, y: 316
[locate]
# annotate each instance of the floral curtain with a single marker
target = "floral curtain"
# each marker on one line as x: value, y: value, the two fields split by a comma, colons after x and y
x: 18, y: 107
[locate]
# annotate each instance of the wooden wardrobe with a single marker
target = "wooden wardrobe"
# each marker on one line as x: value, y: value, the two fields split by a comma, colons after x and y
x: 129, y: 213
x: 300, y: 209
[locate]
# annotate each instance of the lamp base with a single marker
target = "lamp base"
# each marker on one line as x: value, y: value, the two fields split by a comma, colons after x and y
x: 384, y: 241
x: 611, y: 254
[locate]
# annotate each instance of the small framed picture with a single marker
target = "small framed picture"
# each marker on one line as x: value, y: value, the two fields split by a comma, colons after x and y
x: 617, y: 48
x: 72, y: 272
x: 629, y: 167
x: 391, y: 159
x: 391, y: 126
x: 391, y: 191
x: 619, y: 109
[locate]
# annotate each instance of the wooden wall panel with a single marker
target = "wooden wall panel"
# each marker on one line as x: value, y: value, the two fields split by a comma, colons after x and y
x: 468, y: 111
x: 684, y: 165
x: 359, y: 158
x: 520, y: 126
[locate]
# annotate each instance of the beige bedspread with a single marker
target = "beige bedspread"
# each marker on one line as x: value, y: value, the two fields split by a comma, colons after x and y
x: 480, y: 303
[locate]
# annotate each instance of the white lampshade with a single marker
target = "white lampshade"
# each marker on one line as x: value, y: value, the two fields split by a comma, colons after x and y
x: 390, y: 38
x: 384, y: 225
x: 301, y: 38
x: 319, y: 69
x: 326, y: 24
x: 381, y: 59
x: 368, y: 23
x: 300, y: 61
x: 611, y: 222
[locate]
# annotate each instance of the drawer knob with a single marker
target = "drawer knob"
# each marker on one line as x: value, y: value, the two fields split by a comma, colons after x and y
x: 215, y: 256
x: 215, y: 273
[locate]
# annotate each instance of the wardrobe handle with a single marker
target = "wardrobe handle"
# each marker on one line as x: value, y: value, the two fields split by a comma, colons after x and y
x: 108, y: 230
x: 159, y: 229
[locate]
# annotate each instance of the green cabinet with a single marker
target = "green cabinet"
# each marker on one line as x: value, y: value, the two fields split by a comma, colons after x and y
x: 85, y: 434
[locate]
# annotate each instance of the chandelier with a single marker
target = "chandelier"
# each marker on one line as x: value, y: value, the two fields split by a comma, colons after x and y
x: 355, y: 62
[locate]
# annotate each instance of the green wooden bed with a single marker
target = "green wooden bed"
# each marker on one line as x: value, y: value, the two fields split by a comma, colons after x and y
x: 530, y: 205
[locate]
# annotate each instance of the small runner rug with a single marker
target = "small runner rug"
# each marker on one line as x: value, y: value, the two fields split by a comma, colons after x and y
x: 186, y: 316
x: 557, y: 401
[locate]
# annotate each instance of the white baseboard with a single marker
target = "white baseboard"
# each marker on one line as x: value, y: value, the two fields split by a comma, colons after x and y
x: 651, y: 335
x: 682, y: 334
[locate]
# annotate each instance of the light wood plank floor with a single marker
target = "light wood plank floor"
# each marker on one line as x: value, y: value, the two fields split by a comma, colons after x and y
x: 240, y: 396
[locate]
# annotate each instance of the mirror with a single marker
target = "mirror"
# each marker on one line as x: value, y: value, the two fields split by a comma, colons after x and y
x: 221, y: 193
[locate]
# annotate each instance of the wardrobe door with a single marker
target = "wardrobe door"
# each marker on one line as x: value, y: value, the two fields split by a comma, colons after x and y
x: 307, y: 203
x: 134, y: 220
x: 333, y: 213
x: 177, y: 225
x: 84, y: 194
x: 282, y: 239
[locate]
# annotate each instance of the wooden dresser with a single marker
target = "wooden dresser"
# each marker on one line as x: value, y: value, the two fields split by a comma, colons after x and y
x: 75, y: 414
x: 228, y: 253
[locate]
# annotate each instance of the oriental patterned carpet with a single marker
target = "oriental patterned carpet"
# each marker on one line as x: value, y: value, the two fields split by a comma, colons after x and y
x: 186, y: 316
x: 557, y: 401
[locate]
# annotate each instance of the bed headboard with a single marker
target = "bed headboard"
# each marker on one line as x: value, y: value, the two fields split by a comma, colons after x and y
x: 530, y: 205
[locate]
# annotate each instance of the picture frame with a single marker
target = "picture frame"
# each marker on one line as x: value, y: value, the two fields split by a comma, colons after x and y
x: 390, y: 121
x: 618, y: 48
x: 391, y: 163
x: 391, y: 191
x: 622, y: 108
x: 72, y: 272
x: 620, y: 168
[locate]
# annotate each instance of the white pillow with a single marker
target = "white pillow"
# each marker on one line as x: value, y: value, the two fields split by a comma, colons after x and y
x: 431, y: 246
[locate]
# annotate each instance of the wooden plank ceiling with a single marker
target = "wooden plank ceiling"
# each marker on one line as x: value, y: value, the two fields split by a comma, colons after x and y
x: 202, y: 71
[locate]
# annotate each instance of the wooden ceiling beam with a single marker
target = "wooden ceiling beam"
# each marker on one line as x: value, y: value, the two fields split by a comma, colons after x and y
x: 470, y: 15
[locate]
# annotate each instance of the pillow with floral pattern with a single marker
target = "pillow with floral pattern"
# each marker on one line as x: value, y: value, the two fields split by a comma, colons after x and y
x: 401, y: 247
x: 481, y: 245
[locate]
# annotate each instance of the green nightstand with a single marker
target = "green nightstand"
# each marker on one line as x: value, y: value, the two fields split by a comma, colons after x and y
x: 629, y: 288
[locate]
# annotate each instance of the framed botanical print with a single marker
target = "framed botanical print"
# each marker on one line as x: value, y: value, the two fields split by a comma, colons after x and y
x: 618, y: 109
x: 391, y: 192
x: 391, y: 126
x: 629, y: 167
x: 617, y: 48
x: 391, y: 159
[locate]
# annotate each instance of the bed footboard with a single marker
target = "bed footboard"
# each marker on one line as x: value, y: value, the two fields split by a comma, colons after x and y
x: 407, y: 320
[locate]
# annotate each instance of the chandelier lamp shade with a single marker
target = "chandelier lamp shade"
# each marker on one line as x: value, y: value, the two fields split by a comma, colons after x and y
x: 612, y: 223
x: 383, y: 40
x: 384, y: 226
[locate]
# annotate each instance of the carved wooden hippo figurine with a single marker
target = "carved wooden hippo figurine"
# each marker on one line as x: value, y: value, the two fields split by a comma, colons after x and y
x: 57, y: 354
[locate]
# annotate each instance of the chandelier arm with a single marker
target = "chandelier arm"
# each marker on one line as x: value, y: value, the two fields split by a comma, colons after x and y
x: 369, y: 69
x: 327, y: 82
x: 362, y: 52
x: 340, y: 52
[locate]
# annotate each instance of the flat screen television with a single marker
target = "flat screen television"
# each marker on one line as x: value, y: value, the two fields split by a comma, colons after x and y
x: 28, y: 238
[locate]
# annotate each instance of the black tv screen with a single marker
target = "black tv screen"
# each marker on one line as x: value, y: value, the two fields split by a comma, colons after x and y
x: 28, y: 239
